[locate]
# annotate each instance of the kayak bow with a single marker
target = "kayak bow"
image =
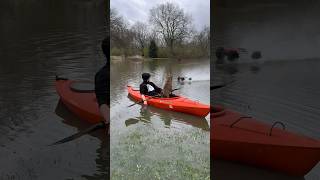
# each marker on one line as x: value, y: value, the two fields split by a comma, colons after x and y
x: 82, y: 103
x: 243, y: 139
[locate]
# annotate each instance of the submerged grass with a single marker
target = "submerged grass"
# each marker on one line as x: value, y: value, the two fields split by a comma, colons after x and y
x: 149, y: 153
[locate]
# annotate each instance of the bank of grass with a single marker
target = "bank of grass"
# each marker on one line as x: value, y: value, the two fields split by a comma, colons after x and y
x: 162, y: 53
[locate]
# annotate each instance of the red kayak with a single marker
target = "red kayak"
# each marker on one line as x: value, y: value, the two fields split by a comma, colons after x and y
x: 178, y: 104
x: 235, y: 137
x: 82, y: 103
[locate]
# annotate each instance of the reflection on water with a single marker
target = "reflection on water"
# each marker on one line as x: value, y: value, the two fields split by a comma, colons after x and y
x: 102, y: 152
x: 228, y: 171
x: 146, y: 113
x: 280, y: 91
x: 39, y: 39
x: 283, y: 84
x: 281, y: 29
x: 149, y: 143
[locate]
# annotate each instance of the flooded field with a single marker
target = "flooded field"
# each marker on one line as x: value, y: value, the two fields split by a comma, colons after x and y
x: 149, y: 143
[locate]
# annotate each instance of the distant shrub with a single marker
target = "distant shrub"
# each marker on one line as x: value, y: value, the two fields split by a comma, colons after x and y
x: 163, y: 52
x: 153, y: 49
x: 116, y: 52
x: 146, y: 52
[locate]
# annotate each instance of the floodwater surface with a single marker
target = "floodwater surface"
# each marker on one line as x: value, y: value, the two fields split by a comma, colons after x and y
x: 150, y: 143
x: 281, y: 86
x: 286, y: 91
x: 41, y: 39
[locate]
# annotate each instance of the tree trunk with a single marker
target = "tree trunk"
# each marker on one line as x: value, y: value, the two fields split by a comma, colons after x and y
x: 171, y: 48
x: 167, y: 89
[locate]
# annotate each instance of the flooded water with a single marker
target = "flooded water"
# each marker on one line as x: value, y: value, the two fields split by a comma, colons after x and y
x: 149, y: 143
x: 39, y: 39
x: 283, y: 84
x: 280, y: 30
x: 286, y: 91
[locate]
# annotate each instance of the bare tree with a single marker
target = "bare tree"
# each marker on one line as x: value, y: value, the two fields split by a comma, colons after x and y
x: 202, y: 40
x: 141, y: 35
x: 117, y: 23
x: 171, y: 22
x: 121, y: 36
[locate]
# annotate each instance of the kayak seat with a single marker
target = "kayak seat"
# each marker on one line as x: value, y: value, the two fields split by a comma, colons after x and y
x: 83, y: 86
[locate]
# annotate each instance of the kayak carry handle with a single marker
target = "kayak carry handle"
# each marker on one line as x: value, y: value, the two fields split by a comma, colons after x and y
x: 217, y: 111
x: 274, y: 124
x: 239, y: 119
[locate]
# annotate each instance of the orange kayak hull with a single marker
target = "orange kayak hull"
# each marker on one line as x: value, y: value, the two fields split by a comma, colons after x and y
x: 178, y: 104
x: 249, y: 141
x: 82, y: 104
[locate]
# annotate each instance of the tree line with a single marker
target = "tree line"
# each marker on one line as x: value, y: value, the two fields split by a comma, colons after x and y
x: 169, y: 32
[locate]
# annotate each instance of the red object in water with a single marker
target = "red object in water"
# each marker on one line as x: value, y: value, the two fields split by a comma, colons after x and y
x: 83, y: 104
x: 178, y: 104
x: 244, y: 139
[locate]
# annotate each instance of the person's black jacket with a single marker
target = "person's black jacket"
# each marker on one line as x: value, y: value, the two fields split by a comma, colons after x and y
x: 144, y: 89
x: 102, y: 86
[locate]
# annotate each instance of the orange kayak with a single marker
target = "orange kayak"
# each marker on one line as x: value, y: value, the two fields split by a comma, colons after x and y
x: 81, y: 103
x: 178, y: 104
x: 235, y: 137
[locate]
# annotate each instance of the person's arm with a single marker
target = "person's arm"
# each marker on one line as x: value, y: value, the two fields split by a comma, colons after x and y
x: 105, y: 112
x: 143, y: 92
x: 144, y: 100
x: 143, y: 89
x: 102, y: 93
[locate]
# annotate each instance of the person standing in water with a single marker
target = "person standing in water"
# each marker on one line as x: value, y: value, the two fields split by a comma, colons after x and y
x: 102, y: 85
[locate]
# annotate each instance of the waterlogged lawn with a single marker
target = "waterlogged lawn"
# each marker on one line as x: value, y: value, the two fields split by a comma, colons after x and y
x: 152, y: 152
x: 148, y: 143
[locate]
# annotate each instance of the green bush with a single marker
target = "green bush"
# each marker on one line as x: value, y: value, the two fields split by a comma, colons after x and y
x: 146, y: 52
x: 116, y: 52
x: 153, y: 49
x: 163, y: 52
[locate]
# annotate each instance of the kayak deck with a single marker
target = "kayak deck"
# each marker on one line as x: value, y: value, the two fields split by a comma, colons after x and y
x: 178, y: 104
x: 239, y: 138
x: 83, y: 104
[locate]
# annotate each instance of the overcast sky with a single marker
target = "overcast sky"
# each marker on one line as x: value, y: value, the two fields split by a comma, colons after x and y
x: 138, y: 10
